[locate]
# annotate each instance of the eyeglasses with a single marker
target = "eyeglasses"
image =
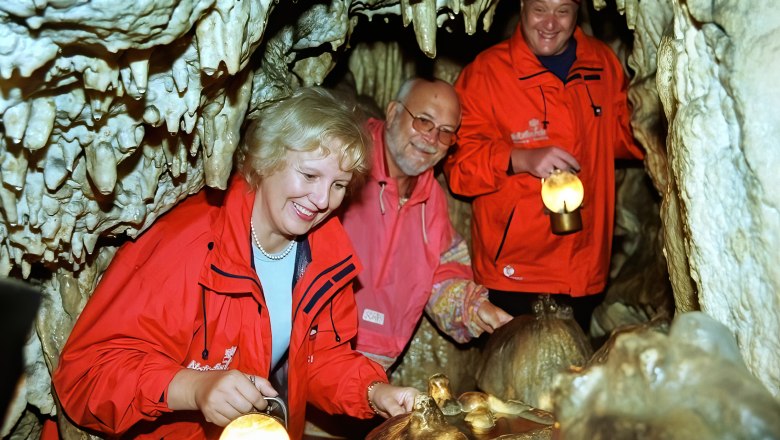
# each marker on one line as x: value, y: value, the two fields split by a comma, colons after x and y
x: 424, y: 125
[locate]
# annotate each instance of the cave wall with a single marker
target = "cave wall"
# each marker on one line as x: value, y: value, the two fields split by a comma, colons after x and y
x: 110, y: 116
x: 716, y: 178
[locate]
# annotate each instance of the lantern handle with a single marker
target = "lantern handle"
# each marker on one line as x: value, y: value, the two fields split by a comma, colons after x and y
x: 276, y: 401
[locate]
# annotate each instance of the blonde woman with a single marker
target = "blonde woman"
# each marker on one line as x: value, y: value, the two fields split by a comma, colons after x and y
x: 224, y: 302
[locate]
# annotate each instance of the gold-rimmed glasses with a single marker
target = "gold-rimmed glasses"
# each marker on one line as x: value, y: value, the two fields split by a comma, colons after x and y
x: 425, y: 125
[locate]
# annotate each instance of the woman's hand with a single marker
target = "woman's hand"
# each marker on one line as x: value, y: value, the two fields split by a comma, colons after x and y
x: 221, y: 396
x: 390, y: 400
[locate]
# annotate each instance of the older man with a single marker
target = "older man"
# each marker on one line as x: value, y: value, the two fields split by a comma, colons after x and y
x: 548, y: 98
x: 413, y: 258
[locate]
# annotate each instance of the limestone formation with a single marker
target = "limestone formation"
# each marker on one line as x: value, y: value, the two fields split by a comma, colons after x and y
x: 679, y: 382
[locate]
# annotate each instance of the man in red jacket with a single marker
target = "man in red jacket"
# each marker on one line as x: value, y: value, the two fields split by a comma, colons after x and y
x: 548, y: 98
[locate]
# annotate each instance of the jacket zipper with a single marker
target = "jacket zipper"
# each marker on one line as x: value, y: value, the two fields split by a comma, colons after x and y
x: 205, y: 353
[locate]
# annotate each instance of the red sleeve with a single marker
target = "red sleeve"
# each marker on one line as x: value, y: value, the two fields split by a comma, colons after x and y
x: 129, y: 341
x: 339, y: 378
x: 480, y: 161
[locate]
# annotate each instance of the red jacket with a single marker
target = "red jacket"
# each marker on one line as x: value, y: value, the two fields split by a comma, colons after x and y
x: 145, y: 322
x: 509, y: 101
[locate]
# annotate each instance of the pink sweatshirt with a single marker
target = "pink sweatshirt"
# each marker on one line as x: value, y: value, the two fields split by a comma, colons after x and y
x: 413, y: 260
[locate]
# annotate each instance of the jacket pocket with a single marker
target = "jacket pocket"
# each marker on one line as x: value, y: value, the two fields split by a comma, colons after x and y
x: 504, y: 234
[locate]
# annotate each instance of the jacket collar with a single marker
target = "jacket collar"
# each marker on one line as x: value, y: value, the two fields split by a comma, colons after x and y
x: 532, y: 73
x: 379, y: 172
x: 228, y: 265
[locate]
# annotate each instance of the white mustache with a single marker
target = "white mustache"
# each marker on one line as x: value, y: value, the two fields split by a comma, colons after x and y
x: 430, y: 149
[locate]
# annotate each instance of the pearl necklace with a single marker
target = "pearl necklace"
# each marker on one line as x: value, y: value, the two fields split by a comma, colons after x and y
x: 274, y: 257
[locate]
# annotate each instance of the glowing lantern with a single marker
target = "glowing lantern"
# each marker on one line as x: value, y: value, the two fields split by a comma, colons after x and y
x: 254, y: 426
x: 258, y: 425
x: 562, y: 194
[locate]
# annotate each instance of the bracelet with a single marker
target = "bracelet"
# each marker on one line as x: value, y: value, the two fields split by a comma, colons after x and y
x: 368, y: 396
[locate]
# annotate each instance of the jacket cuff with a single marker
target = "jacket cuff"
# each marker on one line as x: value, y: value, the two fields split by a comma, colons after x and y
x: 152, y: 398
x: 502, y: 160
x: 473, y: 309
x: 363, y: 380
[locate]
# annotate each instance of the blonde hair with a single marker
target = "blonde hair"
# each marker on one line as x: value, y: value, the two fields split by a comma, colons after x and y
x: 305, y: 121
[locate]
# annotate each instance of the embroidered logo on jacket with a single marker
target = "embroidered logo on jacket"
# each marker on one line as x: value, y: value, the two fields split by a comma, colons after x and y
x: 373, y: 316
x: 535, y: 132
x: 229, y: 353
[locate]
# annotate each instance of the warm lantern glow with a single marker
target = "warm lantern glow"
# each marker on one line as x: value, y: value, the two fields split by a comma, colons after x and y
x: 255, y: 426
x: 562, y: 192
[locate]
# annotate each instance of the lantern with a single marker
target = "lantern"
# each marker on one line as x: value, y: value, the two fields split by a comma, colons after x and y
x: 258, y: 425
x: 562, y: 194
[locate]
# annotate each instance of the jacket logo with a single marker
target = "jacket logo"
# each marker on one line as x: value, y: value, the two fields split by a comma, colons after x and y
x: 373, y: 316
x: 535, y: 132
x: 229, y: 353
x: 509, y: 272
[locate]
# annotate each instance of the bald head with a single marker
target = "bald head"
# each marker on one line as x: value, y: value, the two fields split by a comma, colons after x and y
x: 434, y: 89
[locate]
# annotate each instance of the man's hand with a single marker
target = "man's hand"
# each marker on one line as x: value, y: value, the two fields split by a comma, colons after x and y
x: 490, y: 317
x: 221, y: 396
x: 540, y: 162
x: 390, y: 400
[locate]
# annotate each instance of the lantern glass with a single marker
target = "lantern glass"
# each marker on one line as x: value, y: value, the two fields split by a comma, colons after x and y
x: 254, y: 426
x: 562, y: 192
